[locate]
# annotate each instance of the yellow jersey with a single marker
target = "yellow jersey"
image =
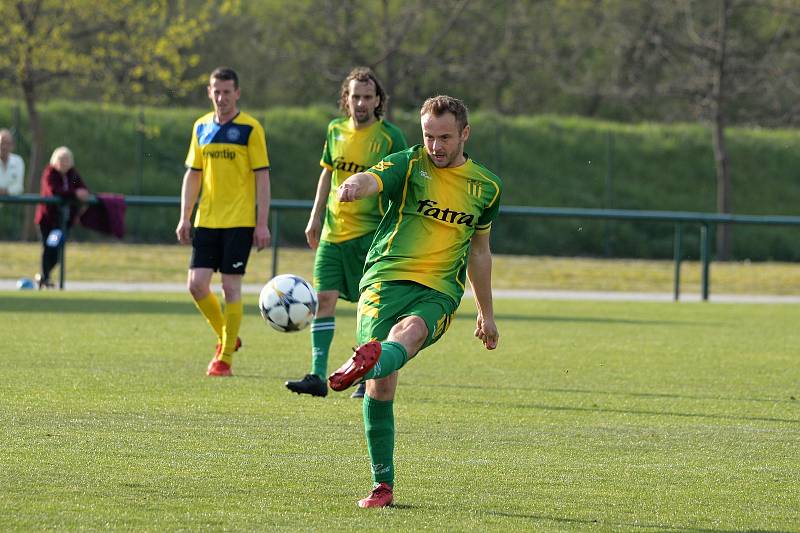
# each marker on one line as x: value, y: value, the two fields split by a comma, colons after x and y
x: 227, y: 155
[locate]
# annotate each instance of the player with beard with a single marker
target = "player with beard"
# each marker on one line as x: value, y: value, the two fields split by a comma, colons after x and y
x: 435, y: 234
x: 342, y: 233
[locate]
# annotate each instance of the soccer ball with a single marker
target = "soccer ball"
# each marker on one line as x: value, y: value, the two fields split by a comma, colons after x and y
x: 288, y: 303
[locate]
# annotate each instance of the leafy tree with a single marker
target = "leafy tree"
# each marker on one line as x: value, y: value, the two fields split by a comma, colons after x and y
x: 720, y: 57
x: 127, y: 51
x: 297, y: 53
x: 720, y: 61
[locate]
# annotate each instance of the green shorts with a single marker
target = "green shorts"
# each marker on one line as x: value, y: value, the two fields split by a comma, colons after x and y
x: 384, y: 303
x: 339, y: 266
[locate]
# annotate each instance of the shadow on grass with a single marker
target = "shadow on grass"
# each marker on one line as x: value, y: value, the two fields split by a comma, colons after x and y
x: 622, y: 526
x: 38, y: 303
x: 120, y: 305
x: 500, y: 317
x: 790, y: 399
x: 604, y: 410
x: 668, y: 395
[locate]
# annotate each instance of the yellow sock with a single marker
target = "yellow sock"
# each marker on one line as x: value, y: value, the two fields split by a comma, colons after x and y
x: 233, y: 319
x: 211, y: 309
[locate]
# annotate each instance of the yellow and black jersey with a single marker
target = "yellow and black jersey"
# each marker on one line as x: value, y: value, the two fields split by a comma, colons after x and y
x: 227, y: 155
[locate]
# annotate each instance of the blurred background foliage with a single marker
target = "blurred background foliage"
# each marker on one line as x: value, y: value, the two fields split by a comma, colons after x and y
x: 685, y: 105
x: 622, y: 60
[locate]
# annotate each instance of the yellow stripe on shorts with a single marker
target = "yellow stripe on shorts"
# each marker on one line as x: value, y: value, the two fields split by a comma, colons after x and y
x: 370, y: 299
x: 371, y: 295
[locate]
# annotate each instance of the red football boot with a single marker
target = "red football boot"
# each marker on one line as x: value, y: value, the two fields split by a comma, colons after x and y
x: 219, y: 368
x: 351, y: 372
x: 381, y: 496
x: 218, y: 351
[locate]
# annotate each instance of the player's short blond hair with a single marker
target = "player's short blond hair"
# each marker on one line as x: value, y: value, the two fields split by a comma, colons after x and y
x: 441, y: 104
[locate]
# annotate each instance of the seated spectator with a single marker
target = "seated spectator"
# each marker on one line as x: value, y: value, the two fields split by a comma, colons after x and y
x: 12, y: 167
x: 60, y: 178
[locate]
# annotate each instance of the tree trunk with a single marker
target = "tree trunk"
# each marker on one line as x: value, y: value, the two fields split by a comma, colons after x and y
x: 721, y: 161
x: 388, y: 78
x: 35, y: 164
x: 723, y: 187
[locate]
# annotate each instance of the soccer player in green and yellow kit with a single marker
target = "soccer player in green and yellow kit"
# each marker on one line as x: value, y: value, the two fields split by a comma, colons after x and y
x: 228, y: 159
x: 434, y: 235
x: 354, y: 143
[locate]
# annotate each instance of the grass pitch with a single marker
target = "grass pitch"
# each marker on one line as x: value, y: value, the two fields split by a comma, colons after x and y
x: 589, y: 416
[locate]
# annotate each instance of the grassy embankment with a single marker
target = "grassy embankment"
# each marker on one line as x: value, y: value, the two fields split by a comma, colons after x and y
x: 168, y: 263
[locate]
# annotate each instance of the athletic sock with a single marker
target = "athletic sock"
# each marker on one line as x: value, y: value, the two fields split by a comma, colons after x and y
x: 379, y: 431
x: 212, y: 311
x: 393, y: 357
x: 322, y: 330
x: 233, y: 319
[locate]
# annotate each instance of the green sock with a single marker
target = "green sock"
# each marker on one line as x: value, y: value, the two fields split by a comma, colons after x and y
x: 379, y: 430
x: 322, y: 330
x: 393, y: 357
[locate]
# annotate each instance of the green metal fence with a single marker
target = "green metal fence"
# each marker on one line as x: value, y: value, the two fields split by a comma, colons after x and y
x: 706, y: 222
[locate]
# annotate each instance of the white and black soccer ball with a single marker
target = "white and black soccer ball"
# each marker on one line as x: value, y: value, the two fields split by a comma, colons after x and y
x: 288, y: 303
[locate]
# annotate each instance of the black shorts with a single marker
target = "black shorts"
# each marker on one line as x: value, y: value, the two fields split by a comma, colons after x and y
x: 222, y: 249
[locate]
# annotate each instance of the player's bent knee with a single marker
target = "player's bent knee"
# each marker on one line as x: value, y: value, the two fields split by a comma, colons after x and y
x: 411, y: 332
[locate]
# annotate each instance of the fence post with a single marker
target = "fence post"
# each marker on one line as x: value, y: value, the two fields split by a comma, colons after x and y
x: 609, y: 196
x: 138, y: 129
x: 274, y: 232
x: 705, y: 250
x: 63, y: 211
x: 677, y: 253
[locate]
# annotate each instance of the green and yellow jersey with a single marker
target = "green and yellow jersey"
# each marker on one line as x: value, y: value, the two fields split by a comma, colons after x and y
x: 349, y: 150
x: 227, y: 155
x: 432, y: 214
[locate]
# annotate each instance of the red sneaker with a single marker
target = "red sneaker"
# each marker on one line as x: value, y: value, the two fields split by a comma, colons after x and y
x: 381, y: 496
x: 219, y: 368
x: 218, y: 350
x: 351, y: 372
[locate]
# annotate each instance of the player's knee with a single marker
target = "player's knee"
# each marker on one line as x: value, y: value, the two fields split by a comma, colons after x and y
x: 232, y: 290
x: 327, y: 303
x: 411, y: 332
x: 197, y: 289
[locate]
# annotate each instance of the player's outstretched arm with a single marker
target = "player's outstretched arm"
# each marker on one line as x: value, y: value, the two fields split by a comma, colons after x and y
x: 357, y: 186
x: 314, y: 226
x: 189, y: 191
x: 479, y: 272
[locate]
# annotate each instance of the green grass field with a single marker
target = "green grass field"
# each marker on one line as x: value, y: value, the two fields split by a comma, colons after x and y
x: 589, y: 416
